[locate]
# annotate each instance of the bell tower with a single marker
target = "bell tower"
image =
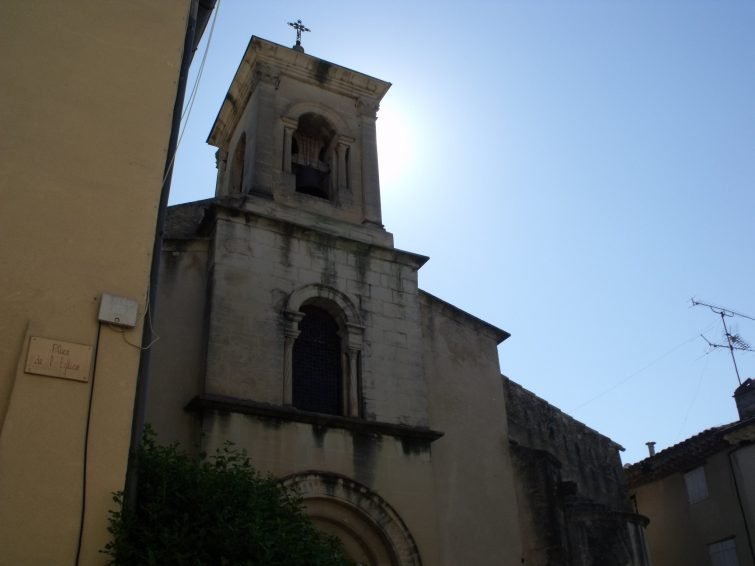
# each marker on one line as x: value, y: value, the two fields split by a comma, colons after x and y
x: 296, y: 136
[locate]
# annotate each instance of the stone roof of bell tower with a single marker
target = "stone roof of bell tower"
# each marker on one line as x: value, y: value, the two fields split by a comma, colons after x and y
x: 265, y: 60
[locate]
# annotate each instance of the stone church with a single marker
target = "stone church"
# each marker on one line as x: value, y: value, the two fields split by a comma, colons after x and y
x: 291, y: 326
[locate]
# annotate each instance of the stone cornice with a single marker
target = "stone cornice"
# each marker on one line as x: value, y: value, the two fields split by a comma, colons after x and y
x: 496, y: 333
x: 268, y: 62
x: 233, y: 208
x: 207, y: 402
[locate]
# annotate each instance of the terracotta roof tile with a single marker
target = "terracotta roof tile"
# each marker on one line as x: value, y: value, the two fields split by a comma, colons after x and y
x: 683, y: 456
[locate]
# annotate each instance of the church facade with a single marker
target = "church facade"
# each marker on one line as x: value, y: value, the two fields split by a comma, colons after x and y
x: 291, y: 326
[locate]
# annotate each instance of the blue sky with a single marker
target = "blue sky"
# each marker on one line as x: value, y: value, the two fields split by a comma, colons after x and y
x: 575, y: 170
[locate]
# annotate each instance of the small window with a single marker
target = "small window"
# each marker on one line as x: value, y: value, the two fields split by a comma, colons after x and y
x: 723, y: 553
x: 697, y: 486
x: 316, y: 372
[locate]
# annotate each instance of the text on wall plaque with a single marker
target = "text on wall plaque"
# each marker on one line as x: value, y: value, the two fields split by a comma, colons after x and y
x: 57, y: 358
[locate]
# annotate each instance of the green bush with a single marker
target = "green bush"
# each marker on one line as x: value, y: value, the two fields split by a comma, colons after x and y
x: 213, y: 511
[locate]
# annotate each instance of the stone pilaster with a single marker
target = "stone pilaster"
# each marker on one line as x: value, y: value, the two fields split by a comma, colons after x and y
x: 267, y: 82
x: 221, y: 163
x: 367, y: 111
x: 291, y: 333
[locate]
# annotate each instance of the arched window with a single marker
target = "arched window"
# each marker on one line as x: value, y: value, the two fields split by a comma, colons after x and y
x: 316, y: 372
x: 322, y: 351
x: 237, y: 167
x: 311, y: 155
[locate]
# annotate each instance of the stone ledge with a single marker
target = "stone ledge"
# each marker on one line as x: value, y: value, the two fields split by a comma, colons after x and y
x: 202, y: 403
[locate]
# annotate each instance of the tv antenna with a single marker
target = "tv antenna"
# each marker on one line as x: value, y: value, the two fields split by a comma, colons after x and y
x: 733, y: 340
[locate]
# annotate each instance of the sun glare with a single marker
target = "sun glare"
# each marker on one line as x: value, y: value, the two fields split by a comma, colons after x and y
x: 395, y: 146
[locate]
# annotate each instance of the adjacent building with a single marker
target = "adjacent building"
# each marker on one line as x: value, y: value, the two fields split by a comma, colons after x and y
x: 89, y: 91
x: 700, y: 494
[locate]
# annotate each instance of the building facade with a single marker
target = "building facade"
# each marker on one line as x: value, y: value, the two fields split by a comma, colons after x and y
x: 291, y: 326
x: 700, y: 494
x: 84, y: 152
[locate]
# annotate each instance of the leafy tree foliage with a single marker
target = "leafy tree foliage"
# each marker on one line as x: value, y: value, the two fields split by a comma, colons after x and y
x: 207, y: 511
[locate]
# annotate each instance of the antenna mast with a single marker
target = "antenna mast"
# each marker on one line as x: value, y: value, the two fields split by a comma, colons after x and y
x: 733, y: 341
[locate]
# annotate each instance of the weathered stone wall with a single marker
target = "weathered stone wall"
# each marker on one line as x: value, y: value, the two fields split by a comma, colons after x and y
x: 542, y: 517
x: 223, y: 293
x: 178, y: 356
x: 588, y: 459
x: 382, y: 464
x: 473, y: 477
x: 597, y: 537
x: 258, y: 262
x: 570, y: 487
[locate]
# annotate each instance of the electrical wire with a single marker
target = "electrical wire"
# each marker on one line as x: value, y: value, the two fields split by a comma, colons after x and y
x: 187, y: 109
x: 694, y: 397
x: 82, y: 513
x: 642, y: 369
x: 146, y: 316
x: 122, y: 332
x: 186, y: 113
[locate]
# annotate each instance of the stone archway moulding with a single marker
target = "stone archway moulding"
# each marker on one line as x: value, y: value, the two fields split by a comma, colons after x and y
x: 295, y: 110
x: 319, y: 291
x: 376, y: 513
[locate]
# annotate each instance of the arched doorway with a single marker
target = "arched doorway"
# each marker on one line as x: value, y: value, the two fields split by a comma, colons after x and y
x: 362, y: 541
x: 371, y: 531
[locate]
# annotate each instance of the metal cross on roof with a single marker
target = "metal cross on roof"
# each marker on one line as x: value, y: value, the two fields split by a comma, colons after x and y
x: 299, y: 27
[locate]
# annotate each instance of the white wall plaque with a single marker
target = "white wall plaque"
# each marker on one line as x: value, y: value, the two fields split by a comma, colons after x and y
x: 57, y: 358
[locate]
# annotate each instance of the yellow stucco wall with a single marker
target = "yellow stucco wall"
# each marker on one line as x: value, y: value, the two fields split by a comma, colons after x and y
x: 743, y: 463
x: 680, y: 532
x: 87, y: 95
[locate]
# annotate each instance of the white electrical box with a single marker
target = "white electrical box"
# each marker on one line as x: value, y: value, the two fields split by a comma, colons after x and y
x: 118, y: 310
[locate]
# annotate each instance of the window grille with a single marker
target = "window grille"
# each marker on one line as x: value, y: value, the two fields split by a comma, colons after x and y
x: 316, y: 372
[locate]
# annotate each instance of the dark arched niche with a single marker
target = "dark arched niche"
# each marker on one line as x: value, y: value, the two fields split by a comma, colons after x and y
x: 312, y: 155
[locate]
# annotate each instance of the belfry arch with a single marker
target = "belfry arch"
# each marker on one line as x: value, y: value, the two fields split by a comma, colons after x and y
x: 317, y: 150
x: 312, y: 155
